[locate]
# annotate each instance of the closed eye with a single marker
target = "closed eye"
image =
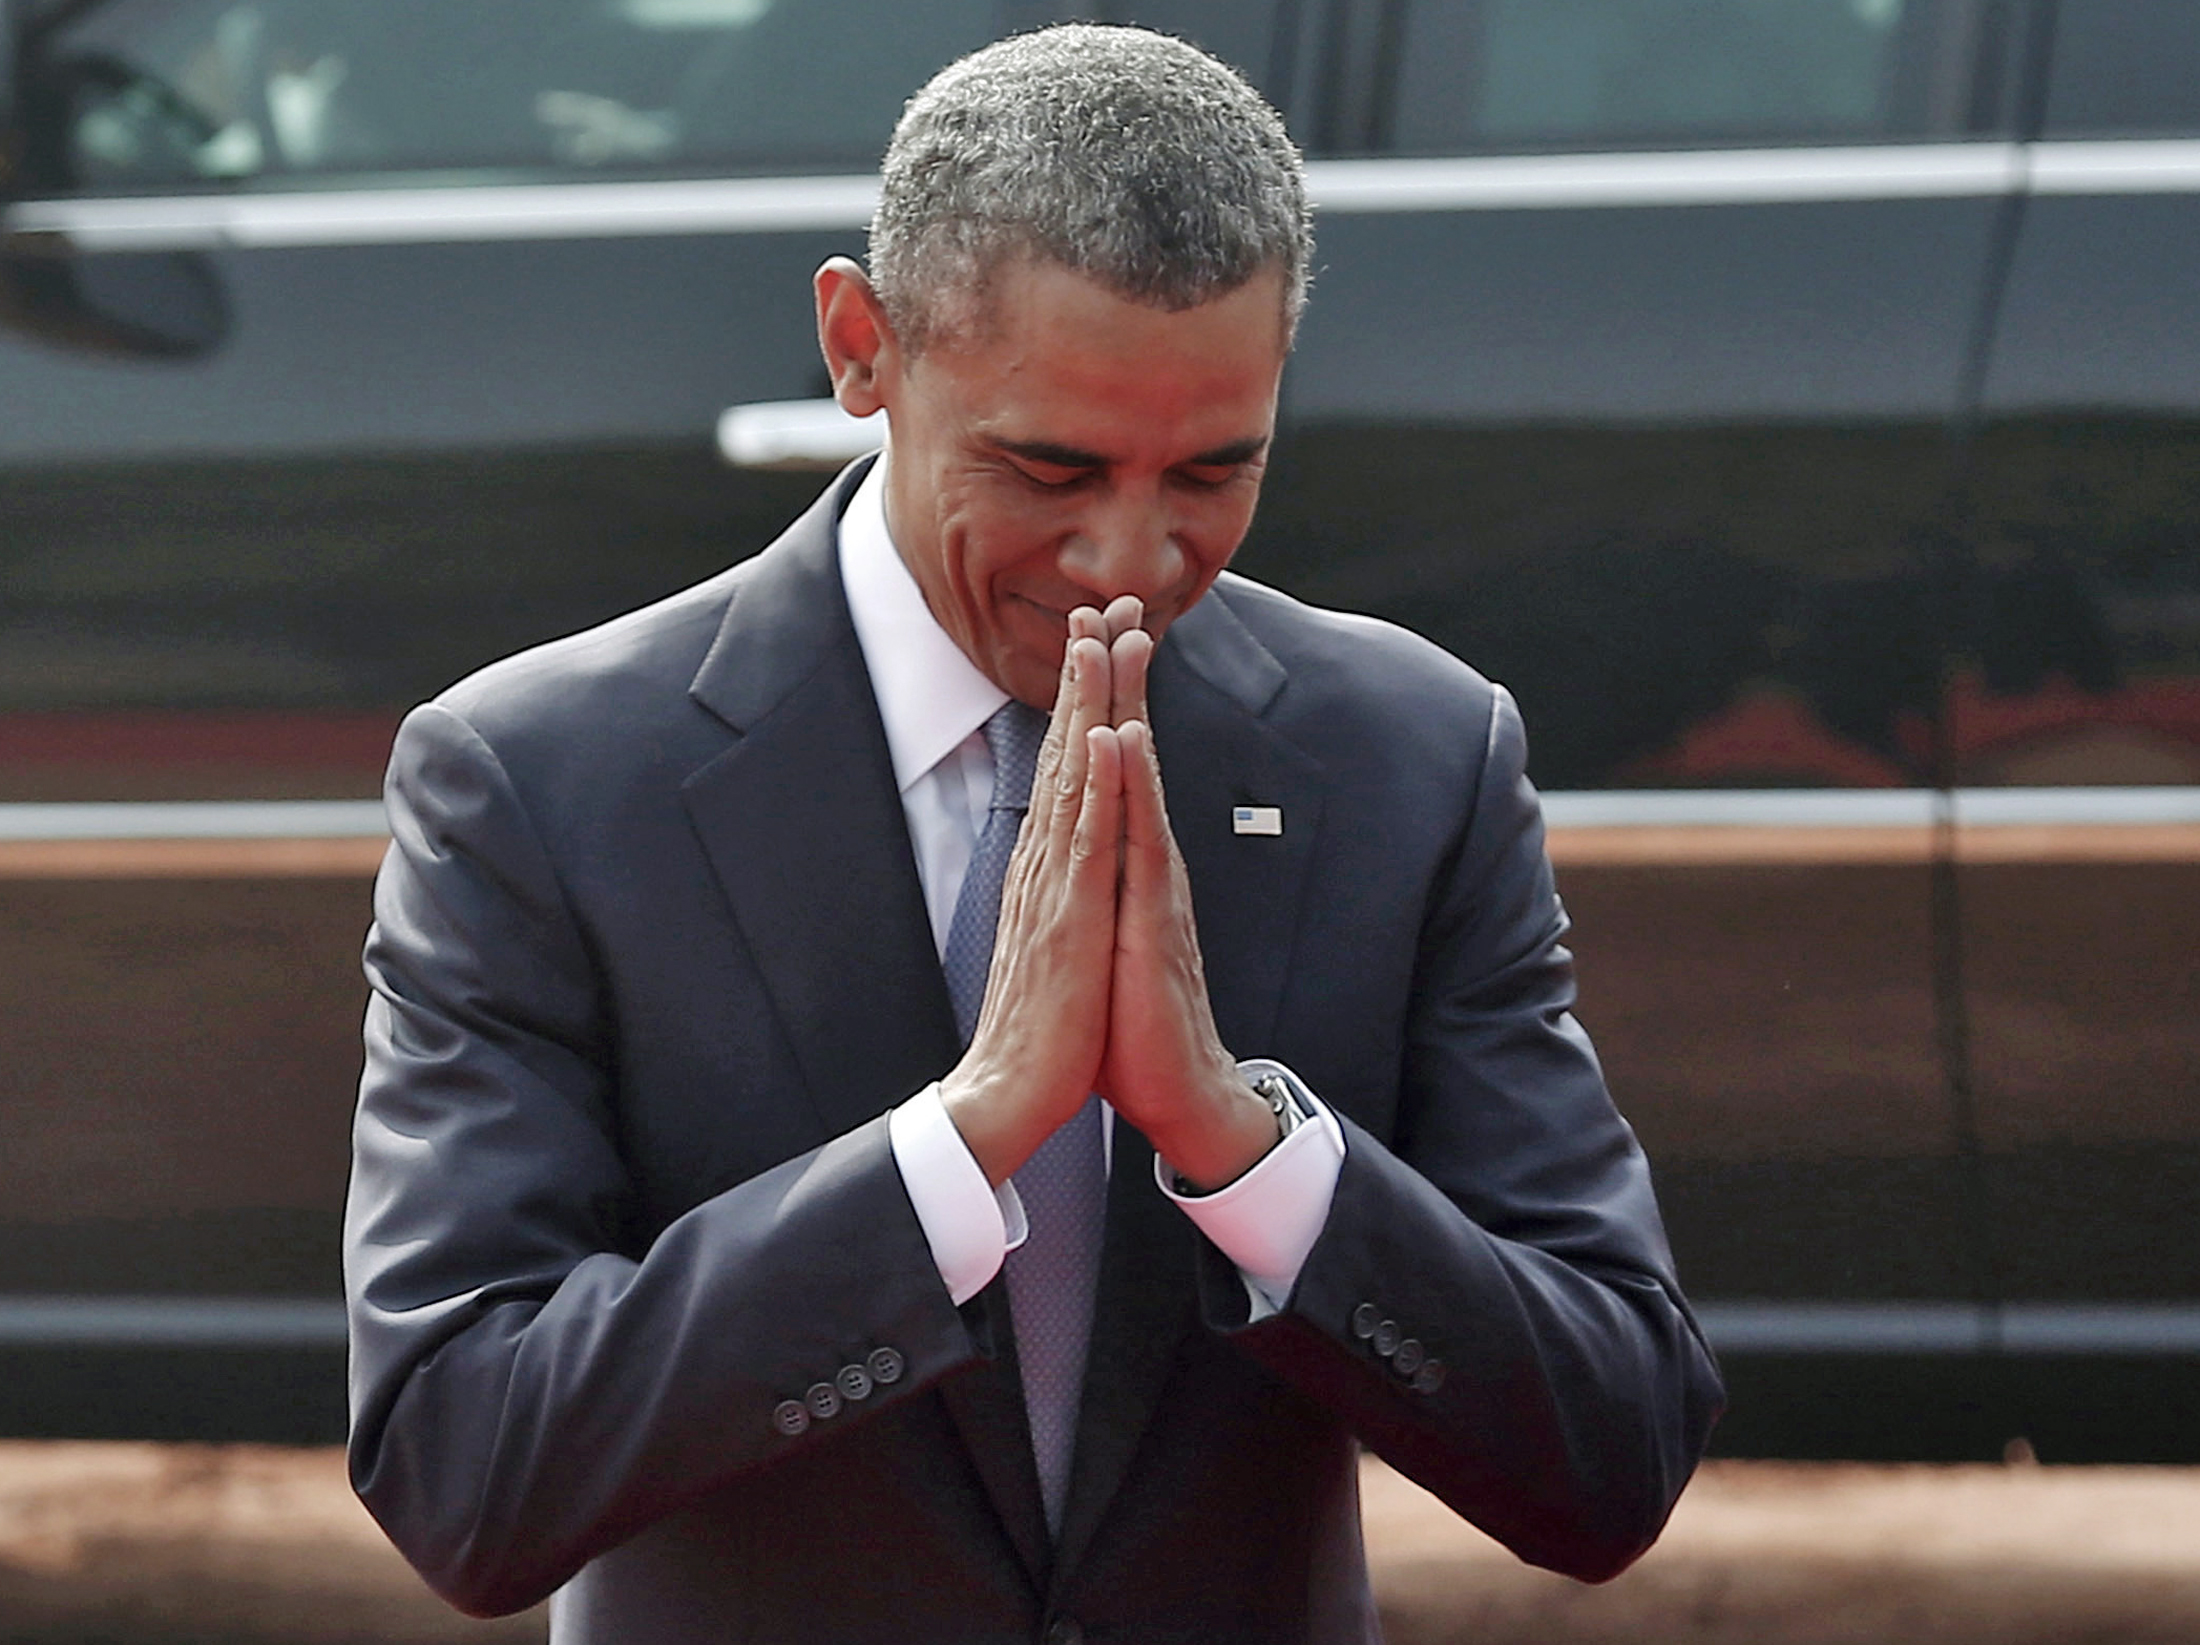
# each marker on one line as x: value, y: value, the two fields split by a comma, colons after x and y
x: 1213, y: 469
x: 1210, y: 476
x: 1052, y: 476
x: 1050, y: 466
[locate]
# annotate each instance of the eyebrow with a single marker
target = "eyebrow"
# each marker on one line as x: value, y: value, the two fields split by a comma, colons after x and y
x: 1045, y: 451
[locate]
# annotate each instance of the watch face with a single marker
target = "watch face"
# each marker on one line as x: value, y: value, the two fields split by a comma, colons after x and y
x: 1276, y: 1092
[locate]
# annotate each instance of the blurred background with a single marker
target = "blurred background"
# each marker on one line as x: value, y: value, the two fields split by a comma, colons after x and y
x: 1796, y: 402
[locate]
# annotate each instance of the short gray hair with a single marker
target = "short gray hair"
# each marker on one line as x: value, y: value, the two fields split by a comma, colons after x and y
x: 1124, y: 155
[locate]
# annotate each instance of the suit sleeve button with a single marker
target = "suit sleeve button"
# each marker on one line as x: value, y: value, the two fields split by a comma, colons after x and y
x: 824, y: 1401
x: 1409, y: 1356
x: 885, y: 1365
x: 854, y: 1382
x: 1364, y: 1320
x: 1387, y: 1337
x: 791, y: 1417
x: 1062, y: 1631
x: 1429, y: 1377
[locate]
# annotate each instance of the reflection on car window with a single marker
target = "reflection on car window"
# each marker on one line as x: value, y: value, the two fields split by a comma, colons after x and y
x: 1493, y: 74
x: 2129, y: 67
x: 206, y: 90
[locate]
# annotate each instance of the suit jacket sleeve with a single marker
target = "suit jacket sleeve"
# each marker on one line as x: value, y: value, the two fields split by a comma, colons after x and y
x: 1506, y: 1226
x: 528, y: 1386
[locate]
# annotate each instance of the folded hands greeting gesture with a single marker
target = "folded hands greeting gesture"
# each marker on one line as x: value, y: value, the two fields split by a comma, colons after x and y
x: 1096, y: 981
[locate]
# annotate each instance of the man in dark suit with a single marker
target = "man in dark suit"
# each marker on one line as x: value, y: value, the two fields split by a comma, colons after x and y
x: 738, y: 1244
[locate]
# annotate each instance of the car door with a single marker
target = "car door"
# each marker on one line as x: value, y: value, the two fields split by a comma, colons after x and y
x: 1633, y: 375
x: 2073, y: 716
x: 351, y: 344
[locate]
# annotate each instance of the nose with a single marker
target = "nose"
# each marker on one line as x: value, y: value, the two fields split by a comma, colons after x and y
x: 1127, y: 543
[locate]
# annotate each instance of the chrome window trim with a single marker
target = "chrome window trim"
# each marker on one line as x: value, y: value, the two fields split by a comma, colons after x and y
x: 2116, y: 166
x: 1815, y: 1327
x: 1873, y: 808
x: 1810, y: 1326
x: 400, y: 216
x: 193, y: 820
x: 170, y: 1322
x: 1774, y: 176
x: 764, y: 205
x: 1773, y: 808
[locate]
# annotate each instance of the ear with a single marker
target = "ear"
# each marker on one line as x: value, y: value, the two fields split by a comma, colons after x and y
x: 853, y: 333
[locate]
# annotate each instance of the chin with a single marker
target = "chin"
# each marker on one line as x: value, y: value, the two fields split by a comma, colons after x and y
x: 1026, y: 673
x: 1032, y: 687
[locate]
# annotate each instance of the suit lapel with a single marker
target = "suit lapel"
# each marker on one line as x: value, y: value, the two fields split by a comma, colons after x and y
x: 803, y: 827
x: 1211, y: 682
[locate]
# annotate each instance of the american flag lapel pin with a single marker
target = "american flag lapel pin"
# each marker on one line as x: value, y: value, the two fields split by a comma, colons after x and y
x: 1256, y: 819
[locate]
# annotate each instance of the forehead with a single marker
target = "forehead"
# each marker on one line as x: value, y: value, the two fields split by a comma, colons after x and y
x: 984, y: 297
x: 1047, y: 337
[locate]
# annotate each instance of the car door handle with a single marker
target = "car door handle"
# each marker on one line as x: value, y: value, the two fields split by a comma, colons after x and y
x: 796, y: 434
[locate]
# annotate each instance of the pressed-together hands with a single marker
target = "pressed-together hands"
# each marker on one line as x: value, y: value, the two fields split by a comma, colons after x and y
x: 1096, y: 982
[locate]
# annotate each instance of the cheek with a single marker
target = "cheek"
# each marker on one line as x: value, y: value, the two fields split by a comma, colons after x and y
x: 991, y: 542
x: 1212, y: 526
x: 1004, y: 534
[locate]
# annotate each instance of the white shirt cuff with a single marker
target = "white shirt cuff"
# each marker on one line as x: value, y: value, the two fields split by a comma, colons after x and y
x: 970, y: 1225
x: 1267, y: 1221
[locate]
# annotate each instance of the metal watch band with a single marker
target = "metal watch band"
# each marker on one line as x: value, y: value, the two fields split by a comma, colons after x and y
x: 1281, y: 1090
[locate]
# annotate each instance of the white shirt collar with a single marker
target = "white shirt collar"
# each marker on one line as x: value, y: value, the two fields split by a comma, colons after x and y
x: 930, y: 696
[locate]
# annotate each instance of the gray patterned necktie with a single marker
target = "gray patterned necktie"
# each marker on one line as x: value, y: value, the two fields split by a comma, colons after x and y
x: 1053, y: 1274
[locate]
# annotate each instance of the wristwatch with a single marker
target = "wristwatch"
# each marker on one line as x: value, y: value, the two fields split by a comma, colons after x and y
x: 1277, y: 1086
x: 1287, y: 1098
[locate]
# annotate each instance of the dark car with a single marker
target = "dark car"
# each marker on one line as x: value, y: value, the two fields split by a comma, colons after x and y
x: 1797, y: 405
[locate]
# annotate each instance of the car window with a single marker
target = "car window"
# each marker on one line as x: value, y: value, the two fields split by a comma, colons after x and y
x: 1526, y: 74
x: 2125, y: 67
x: 209, y: 90
x: 1244, y: 33
x: 138, y: 93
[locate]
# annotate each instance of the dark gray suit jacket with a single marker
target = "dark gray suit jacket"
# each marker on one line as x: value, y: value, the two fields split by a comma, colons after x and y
x: 650, y: 963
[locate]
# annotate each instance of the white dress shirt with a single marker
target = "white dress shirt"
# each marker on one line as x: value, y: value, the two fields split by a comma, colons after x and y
x: 934, y: 703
